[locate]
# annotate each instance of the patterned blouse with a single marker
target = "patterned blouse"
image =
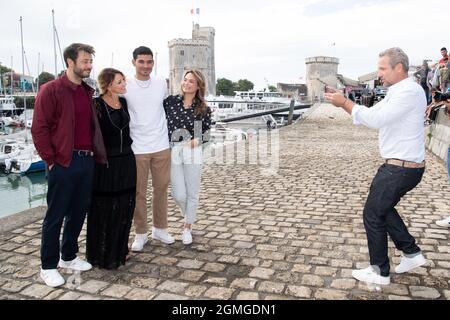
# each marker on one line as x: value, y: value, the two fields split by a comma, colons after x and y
x: 182, y: 123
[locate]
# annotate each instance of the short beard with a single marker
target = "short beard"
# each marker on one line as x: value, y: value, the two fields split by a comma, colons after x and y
x: 78, y: 72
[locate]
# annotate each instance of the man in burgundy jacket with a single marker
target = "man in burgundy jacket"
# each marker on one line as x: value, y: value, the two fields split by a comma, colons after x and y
x: 67, y: 136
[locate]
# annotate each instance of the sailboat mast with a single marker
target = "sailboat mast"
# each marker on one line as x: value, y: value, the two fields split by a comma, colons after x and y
x: 54, y: 43
x: 39, y: 62
x: 23, y: 63
x: 23, y: 72
x: 12, y: 75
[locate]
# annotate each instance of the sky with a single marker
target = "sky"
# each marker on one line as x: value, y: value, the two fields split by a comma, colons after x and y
x: 263, y: 41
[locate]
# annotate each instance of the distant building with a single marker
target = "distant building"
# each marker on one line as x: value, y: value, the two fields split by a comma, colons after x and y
x: 21, y: 82
x: 292, y: 90
x: 371, y: 80
x: 322, y: 71
x: 195, y: 53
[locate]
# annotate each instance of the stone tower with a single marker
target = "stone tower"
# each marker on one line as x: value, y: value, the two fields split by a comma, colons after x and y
x: 321, y: 71
x: 195, y: 53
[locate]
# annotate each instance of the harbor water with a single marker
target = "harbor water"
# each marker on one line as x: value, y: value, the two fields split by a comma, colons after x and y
x: 22, y: 192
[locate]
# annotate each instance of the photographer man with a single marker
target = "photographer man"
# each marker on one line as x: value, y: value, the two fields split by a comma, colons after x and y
x: 399, y: 117
x: 446, y: 222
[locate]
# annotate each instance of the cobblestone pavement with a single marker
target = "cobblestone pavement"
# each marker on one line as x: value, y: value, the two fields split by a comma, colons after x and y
x: 295, y: 234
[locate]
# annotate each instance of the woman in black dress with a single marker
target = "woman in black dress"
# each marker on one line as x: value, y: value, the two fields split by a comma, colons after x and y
x: 114, y: 192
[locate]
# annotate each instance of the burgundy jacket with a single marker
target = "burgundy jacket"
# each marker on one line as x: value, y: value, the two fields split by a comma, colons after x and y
x: 54, y: 123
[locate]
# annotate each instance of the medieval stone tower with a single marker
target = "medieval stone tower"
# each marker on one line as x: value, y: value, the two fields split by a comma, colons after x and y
x: 321, y: 71
x: 195, y: 53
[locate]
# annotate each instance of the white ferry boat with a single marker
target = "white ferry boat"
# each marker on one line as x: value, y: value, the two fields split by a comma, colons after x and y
x: 246, y: 102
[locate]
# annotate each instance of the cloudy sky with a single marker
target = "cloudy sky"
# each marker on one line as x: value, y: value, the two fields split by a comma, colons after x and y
x: 261, y: 40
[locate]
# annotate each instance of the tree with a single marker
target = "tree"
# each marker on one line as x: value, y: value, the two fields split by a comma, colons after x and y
x: 45, y: 77
x: 224, y: 87
x: 272, y: 89
x: 5, y: 81
x: 244, y: 85
x: 4, y: 69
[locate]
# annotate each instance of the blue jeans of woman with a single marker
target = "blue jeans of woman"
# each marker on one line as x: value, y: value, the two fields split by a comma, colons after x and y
x: 185, y: 177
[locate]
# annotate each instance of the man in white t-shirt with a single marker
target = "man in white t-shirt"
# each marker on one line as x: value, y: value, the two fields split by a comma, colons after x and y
x: 148, y: 129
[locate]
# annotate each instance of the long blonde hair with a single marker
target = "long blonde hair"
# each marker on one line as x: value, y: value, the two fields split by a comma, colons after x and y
x: 199, y: 100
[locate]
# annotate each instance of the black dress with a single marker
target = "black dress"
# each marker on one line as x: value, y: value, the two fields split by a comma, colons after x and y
x: 114, y: 191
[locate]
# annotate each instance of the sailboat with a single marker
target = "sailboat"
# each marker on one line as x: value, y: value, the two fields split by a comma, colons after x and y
x: 22, y: 157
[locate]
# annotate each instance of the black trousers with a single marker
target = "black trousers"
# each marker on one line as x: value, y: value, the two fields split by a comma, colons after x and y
x: 68, y: 196
x: 390, y: 184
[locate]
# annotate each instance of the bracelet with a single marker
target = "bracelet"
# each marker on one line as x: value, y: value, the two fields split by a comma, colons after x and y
x: 343, y: 106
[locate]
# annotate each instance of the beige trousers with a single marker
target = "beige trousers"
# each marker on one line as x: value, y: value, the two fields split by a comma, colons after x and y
x: 158, y: 164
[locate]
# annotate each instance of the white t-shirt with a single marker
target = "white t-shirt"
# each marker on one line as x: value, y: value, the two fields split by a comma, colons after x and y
x: 148, y: 124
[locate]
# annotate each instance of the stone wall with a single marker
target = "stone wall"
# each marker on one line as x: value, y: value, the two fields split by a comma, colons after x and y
x: 438, y: 135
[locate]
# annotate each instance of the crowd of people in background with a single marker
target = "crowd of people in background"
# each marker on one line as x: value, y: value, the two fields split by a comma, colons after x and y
x: 436, y: 83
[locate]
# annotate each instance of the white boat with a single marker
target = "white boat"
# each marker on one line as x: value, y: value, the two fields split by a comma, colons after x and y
x: 8, y: 107
x: 11, y: 149
x: 24, y: 163
x: 246, y: 102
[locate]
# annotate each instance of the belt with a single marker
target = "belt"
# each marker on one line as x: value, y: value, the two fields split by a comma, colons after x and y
x: 405, y: 164
x: 84, y: 153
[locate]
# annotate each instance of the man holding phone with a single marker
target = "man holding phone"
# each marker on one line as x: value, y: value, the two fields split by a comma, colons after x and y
x: 399, y: 118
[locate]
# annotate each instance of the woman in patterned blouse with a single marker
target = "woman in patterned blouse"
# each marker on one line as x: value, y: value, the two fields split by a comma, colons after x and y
x: 189, y: 122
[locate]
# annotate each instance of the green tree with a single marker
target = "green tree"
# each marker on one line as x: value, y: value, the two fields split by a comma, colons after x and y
x: 4, y: 69
x: 45, y: 77
x: 272, y: 89
x: 244, y: 85
x: 5, y: 80
x: 224, y: 87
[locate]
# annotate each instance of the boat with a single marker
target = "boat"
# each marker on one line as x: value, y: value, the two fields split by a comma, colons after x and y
x: 24, y: 163
x: 10, y: 149
x: 247, y: 102
x: 7, y: 107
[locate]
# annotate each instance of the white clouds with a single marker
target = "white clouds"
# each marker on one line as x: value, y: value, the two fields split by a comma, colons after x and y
x: 254, y: 39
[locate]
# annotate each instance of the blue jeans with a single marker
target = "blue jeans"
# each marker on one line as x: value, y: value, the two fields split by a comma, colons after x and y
x: 68, y: 198
x: 185, y: 176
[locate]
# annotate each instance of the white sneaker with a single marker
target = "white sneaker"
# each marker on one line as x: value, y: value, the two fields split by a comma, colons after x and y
x: 371, y: 276
x: 407, y: 264
x: 186, y: 236
x: 52, y: 278
x: 444, y: 223
x: 139, y: 241
x: 162, y: 235
x: 75, y: 264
